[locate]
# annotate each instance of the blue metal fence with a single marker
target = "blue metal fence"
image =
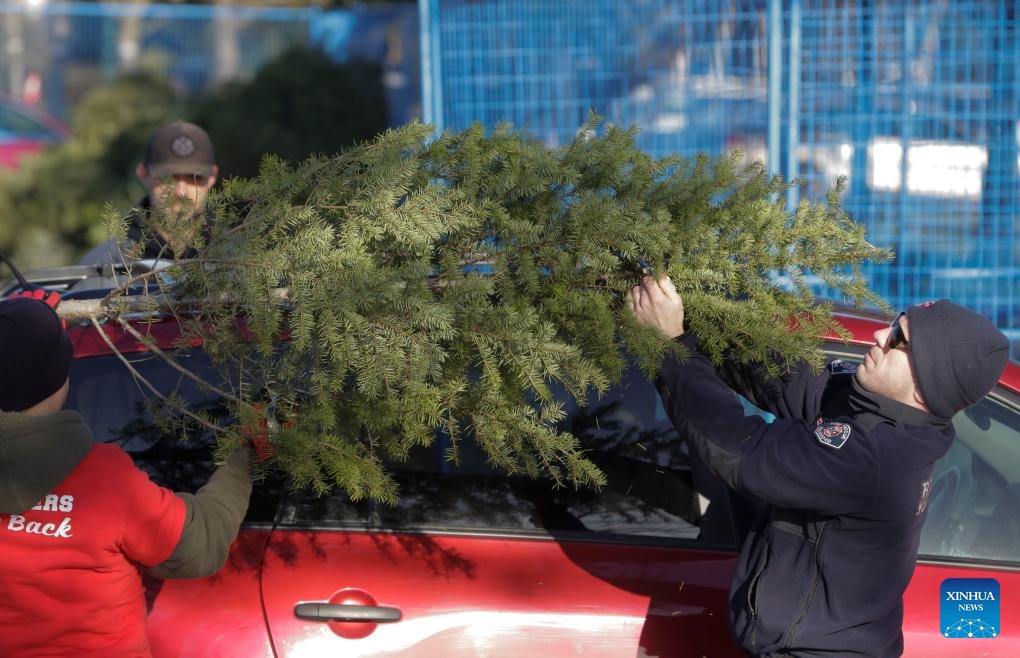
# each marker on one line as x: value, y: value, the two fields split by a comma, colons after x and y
x: 67, y: 48
x: 915, y: 101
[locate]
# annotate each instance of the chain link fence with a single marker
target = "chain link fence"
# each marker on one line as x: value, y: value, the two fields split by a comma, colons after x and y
x: 915, y: 102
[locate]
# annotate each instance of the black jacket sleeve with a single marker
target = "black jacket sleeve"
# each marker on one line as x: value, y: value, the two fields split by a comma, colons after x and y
x: 211, y: 522
x: 784, y: 463
x: 797, y: 393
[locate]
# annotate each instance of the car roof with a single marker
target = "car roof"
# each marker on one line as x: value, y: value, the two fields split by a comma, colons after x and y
x: 62, y: 279
x: 83, y: 281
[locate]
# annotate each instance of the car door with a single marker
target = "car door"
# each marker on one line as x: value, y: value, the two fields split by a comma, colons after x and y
x: 476, y: 563
x: 473, y: 563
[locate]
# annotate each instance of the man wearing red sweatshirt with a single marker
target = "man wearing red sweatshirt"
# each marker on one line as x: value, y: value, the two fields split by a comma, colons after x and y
x: 78, y: 520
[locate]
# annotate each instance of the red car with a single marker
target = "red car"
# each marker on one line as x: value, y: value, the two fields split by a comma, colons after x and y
x: 24, y: 130
x: 473, y: 563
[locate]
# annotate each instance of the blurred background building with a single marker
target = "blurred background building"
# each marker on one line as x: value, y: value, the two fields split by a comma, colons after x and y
x: 54, y: 53
x: 83, y: 84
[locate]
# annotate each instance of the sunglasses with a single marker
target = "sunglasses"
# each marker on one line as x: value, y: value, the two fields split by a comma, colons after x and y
x: 897, y: 339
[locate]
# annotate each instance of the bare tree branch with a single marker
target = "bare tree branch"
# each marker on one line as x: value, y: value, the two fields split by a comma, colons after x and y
x: 149, y: 385
x: 170, y: 360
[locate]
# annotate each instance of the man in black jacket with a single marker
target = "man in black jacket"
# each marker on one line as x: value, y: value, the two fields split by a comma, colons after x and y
x: 844, y: 471
x: 178, y: 171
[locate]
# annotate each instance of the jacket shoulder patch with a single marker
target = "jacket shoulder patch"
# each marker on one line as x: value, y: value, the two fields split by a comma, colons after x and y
x: 833, y: 435
x: 841, y: 367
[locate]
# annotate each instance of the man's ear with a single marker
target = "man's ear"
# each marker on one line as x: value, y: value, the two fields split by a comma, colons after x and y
x: 214, y: 176
x: 142, y: 172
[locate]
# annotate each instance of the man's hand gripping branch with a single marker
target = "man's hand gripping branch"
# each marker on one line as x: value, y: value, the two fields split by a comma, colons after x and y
x: 657, y: 303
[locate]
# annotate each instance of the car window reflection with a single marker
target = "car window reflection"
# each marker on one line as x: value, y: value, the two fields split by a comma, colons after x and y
x: 974, y: 505
x: 649, y: 492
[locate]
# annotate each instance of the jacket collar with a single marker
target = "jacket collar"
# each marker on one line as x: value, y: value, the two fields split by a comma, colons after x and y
x: 37, y: 453
x: 862, y: 402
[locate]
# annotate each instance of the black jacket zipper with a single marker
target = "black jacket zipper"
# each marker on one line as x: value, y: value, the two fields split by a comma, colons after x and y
x: 791, y: 634
x: 752, y: 596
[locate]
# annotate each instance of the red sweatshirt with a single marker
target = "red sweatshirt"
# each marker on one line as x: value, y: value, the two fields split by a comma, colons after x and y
x: 69, y: 575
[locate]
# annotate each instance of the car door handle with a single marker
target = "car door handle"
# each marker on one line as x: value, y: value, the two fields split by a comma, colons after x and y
x: 334, y: 612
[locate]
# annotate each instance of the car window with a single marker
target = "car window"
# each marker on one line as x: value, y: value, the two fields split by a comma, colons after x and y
x: 116, y: 408
x: 974, y: 504
x: 15, y: 123
x: 650, y: 495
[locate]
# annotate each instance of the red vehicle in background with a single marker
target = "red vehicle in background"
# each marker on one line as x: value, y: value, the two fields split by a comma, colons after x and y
x: 475, y: 563
x: 24, y: 130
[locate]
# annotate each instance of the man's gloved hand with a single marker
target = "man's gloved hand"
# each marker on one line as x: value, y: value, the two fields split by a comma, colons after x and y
x: 50, y: 297
x: 258, y: 437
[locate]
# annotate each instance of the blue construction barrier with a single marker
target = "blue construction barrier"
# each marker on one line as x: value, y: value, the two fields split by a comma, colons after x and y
x: 915, y: 102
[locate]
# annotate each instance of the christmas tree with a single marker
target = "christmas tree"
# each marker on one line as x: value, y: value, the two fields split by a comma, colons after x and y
x: 359, y: 304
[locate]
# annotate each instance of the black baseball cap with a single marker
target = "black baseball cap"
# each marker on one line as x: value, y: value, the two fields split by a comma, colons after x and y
x: 179, y: 148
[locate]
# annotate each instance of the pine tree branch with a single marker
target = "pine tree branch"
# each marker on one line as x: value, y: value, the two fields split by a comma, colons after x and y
x: 368, y: 261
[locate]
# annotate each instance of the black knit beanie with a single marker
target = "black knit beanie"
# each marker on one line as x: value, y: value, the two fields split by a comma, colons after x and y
x: 958, y: 355
x: 35, y: 353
